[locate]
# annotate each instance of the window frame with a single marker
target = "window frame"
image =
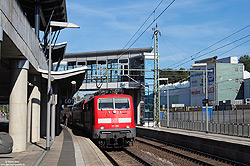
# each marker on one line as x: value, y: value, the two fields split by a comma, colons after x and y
x: 113, y: 100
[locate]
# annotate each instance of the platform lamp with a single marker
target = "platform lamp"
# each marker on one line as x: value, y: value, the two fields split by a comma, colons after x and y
x: 202, y: 65
x: 62, y: 25
x: 73, y: 83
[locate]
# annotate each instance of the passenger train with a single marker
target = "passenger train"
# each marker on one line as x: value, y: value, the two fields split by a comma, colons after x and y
x: 108, y: 119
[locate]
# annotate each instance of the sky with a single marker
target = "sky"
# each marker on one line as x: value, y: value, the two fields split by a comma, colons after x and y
x: 187, y: 27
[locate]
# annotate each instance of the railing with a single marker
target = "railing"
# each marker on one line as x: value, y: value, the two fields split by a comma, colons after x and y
x: 3, y: 119
x: 230, y: 122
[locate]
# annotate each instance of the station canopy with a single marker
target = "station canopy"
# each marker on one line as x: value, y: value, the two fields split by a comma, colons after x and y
x: 47, y: 7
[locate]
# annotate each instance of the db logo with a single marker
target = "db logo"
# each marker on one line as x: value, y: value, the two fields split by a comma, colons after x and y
x: 68, y: 101
x: 114, y: 120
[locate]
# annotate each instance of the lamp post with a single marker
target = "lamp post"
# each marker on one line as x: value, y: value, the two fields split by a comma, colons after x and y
x: 73, y: 83
x: 200, y: 65
x: 147, y: 105
x: 167, y: 105
x: 49, y: 89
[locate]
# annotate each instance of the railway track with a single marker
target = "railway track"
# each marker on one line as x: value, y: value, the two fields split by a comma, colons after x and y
x: 123, y: 157
x: 153, y: 152
x: 189, y: 154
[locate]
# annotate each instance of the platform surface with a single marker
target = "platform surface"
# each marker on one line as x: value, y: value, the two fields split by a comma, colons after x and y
x: 69, y: 148
x: 212, y: 136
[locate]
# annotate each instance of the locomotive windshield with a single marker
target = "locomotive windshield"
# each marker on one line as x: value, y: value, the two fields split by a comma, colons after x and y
x: 105, y: 103
x: 121, y: 103
x: 113, y: 103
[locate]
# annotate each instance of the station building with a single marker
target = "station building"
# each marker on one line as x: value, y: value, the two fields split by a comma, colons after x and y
x: 247, y: 90
x: 24, y: 68
x: 227, y: 80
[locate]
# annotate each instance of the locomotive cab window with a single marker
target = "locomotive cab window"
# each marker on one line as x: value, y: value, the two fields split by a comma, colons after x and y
x: 122, y: 103
x: 105, y: 104
x: 113, y: 103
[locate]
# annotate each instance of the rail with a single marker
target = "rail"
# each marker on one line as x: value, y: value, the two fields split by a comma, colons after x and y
x: 198, y: 161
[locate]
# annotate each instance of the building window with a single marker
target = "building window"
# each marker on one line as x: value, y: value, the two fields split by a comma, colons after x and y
x: 80, y: 64
x: 71, y: 65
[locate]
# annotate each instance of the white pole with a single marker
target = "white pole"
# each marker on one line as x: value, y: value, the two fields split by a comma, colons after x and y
x: 206, y: 102
x: 53, y: 118
x: 168, y: 105
x: 48, y: 94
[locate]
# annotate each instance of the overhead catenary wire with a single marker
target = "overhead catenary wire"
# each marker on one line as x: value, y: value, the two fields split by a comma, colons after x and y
x: 126, y: 50
x: 170, y: 51
x: 234, y: 47
x: 211, y: 51
x: 150, y: 25
x: 224, y: 46
x: 221, y: 40
x: 194, y: 56
x: 143, y: 24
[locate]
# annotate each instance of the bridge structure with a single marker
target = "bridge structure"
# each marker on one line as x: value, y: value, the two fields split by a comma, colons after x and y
x: 113, y: 69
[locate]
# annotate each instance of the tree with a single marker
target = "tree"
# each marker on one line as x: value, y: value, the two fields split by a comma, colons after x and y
x: 174, y: 75
x: 246, y: 61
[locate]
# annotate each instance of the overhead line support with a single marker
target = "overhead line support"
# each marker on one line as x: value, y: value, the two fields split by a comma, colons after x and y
x: 156, y: 121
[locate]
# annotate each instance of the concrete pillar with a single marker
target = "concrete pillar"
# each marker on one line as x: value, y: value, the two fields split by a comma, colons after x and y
x: 18, y: 104
x: 33, y: 123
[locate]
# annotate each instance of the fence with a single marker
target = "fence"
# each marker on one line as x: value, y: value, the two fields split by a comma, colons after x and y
x: 231, y: 122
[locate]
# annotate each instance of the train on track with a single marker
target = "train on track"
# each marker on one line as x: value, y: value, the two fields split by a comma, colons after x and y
x: 108, y: 119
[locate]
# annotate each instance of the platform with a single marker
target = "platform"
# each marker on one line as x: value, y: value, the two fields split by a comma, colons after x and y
x: 227, y: 146
x: 68, y: 149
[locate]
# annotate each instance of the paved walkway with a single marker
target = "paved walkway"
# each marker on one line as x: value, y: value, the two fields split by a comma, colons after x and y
x: 69, y: 149
x: 67, y: 156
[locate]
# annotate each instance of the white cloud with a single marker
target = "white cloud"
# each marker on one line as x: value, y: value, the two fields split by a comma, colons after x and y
x: 125, y: 18
x: 193, y: 24
x: 88, y: 12
x: 195, y: 30
x: 198, y: 5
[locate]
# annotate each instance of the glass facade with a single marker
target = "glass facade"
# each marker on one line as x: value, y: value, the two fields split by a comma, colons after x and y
x: 149, y: 84
x: 117, y: 70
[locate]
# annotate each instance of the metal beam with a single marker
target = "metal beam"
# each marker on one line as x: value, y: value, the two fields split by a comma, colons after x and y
x: 43, y: 18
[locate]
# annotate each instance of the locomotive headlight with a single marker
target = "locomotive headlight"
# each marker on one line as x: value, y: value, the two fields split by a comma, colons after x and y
x: 102, y: 127
x: 127, y: 127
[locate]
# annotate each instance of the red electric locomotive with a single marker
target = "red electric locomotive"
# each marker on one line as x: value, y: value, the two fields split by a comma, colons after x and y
x: 109, y: 119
